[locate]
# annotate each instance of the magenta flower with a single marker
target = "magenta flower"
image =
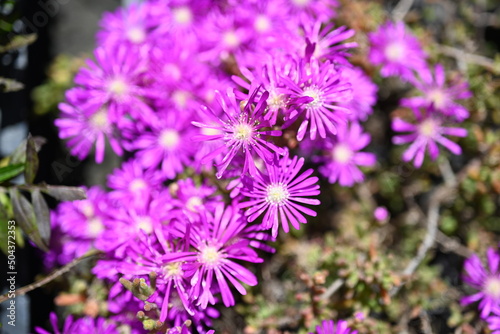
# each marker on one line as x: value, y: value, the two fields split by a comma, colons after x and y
x: 440, y: 96
x: 115, y: 81
x: 364, y: 93
x: 342, y: 158
x: 280, y: 194
x: 494, y: 323
x: 132, y: 184
x: 133, y: 26
x: 218, y: 241
x: 425, y: 135
x: 381, y: 213
x: 85, y: 129
x: 317, y: 93
x: 330, y: 327
x: 80, y: 326
x: 166, y: 145
x: 243, y: 132
x: 397, y: 51
x: 327, y: 43
x: 486, y: 280
x: 320, y: 10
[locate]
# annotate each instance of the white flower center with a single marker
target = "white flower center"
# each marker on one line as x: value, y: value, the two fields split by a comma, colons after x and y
x: 180, y: 98
x: 137, y: 184
x: 438, y: 98
x: 243, y: 132
x: 169, y: 138
x: 144, y: 223
x: 301, y: 3
x: 275, y: 101
x: 136, y: 35
x: 173, y: 70
x: 118, y: 87
x: 210, y: 256
x: 183, y: 15
x: 316, y: 94
x: 277, y: 194
x: 428, y: 128
x: 492, y: 287
x: 172, y: 270
x: 394, y: 51
x: 262, y: 23
x: 193, y: 203
x: 95, y: 226
x: 99, y: 120
x: 87, y: 209
x: 342, y: 153
x: 231, y: 40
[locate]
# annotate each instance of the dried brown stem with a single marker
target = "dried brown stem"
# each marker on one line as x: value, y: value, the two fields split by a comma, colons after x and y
x: 53, y: 275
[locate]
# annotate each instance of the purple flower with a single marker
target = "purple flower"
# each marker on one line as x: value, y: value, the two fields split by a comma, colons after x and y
x: 486, y: 280
x: 242, y: 132
x: 381, y: 213
x: 85, y: 128
x: 494, y: 323
x: 167, y: 144
x: 364, y: 93
x: 80, y: 326
x: 129, y: 26
x: 132, y: 184
x: 115, y: 81
x: 321, y: 10
x: 327, y: 43
x: 425, y: 135
x: 330, y: 327
x: 438, y: 95
x: 192, y: 200
x: 218, y: 241
x: 342, y: 158
x: 397, y: 51
x: 280, y: 194
x: 316, y: 93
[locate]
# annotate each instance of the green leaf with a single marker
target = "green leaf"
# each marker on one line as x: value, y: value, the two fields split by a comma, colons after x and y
x: 19, y: 155
x: 63, y: 193
x: 25, y: 217
x: 31, y: 161
x: 18, y: 42
x: 3, y: 229
x: 10, y: 171
x: 42, y: 215
x: 10, y: 85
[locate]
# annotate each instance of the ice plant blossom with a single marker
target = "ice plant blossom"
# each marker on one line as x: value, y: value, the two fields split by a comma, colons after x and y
x: 279, y: 195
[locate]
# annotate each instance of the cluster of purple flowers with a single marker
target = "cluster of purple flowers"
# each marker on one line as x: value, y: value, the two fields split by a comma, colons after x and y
x: 486, y: 280
x: 193, y: 89
x: 400, y: 54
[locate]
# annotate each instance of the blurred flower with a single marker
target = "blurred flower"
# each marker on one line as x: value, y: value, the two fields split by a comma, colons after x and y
x: 364, y: 93
x: 342, y: 158
x: 397, y: 51
x: 330, y: 327
x: 381, y: 213
x: 438, y: 95
x: 80, y: 326
x: 486, y: 280
x: 425, y: 135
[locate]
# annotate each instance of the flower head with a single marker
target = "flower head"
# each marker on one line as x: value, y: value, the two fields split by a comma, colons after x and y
x: 280, y: 194
x: 486, y: 280
x: 342, y: 158
x: 316, y: 94
x: 331, y: 327
x: 242, y: 132
x: 425, y: 135
x: 397, y: 51
x: 440, y: 96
